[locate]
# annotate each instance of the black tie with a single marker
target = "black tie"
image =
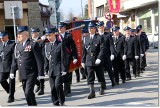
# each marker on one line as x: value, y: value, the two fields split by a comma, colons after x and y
x: 3, y: 45
x: 51, y: 45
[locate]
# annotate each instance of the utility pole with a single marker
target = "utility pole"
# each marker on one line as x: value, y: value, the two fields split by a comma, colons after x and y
x: 82, y: 8
x: 13, y: 8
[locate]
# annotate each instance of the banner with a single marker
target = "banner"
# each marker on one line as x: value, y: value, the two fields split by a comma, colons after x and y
x: 77, y: 37
x: 114, y: 6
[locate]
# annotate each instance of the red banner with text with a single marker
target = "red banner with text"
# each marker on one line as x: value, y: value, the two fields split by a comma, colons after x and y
x: 77, y: 37
x: 114, y: 6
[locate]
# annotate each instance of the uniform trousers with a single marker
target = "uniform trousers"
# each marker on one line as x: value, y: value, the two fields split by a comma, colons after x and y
x: 119, y: 68
x: 28, y: 88
x: 128, y: 62
x: 57, y: 94
x: 91, y: 70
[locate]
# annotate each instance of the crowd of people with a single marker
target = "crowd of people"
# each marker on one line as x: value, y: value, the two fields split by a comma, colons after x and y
x: 102, y: 51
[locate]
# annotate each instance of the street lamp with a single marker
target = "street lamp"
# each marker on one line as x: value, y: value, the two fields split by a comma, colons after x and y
x: 13, y: 8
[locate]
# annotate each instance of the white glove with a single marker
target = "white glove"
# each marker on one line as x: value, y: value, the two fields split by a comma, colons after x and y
x: 75, y: 61
x: 11, y: 76
x: 124, y: 57
x: 98, y: 61
x: 112, y: 57
x: 43, y: 37
x: 64, y: 73
x: 83, y: 65
x: 40, y: 77
x: 136, y: 57
x: 142, y: 55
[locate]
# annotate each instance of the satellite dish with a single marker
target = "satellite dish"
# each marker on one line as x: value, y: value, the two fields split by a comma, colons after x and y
x: 53, y: 19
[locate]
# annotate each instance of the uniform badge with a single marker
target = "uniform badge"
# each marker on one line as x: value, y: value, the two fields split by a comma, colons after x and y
x: 28, y: 48
x: 87, y: 47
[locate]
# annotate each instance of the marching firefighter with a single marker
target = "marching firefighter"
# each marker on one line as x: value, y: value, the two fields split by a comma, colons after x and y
x: 56, y: 54
x: 117, y: 62
x: 30, y: 63
x: 145, y: 46
x: 130, y: 52
x: 6, y: 57
x: 36, y: 37
x: 109, y: 51
x: 71, y: 50
x: 92, y: 55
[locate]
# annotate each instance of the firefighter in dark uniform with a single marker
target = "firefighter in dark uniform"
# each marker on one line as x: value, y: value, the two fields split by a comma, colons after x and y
x: 139, y: 51
x: 92, y: 55
x: 109, y: 51
x: 117, y: 62
x: 35, y: 38
x: 145, y: 45
x: 56, y: 54
x: 130, y: 52
x: 6, y: 56
x: 71, y: 50
x: 30, y: 63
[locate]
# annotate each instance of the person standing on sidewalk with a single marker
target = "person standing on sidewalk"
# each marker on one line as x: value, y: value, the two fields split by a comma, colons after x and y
x: 30, y: 63
x: 6, y: 57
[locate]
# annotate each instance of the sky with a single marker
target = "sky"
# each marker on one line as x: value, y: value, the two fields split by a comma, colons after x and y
x: 68, y: 5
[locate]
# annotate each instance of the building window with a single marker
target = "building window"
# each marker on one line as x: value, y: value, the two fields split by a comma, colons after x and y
x: 145, y: 21
x: 100, y: 11
x: 156, y: 19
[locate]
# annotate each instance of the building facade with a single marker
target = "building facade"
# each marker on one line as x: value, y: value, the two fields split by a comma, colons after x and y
x: 144, y: 12
x: 35, y: 14
x: 98, y: 9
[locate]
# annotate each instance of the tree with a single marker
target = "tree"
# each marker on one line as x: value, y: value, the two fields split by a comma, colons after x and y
x: 70, y: 15
x: 86, y: 11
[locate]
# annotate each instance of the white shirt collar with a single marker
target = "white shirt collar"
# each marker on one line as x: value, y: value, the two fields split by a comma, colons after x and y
x: 25, y: 42
x: 101, y: 33
x: 92, y: 35
x: 5, y: 43
x: 63, y: 34
x: 53, y: 41
x: 35, y: 39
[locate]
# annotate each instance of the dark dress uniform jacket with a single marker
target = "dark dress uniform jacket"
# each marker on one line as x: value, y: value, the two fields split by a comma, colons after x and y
x: 108, y: 44
x: 144, y: 41
x: 119, y: 45
x: 57, y: 58
x: 131, y: 47
x: 70, y: 46
x: 30, y: 61
x: 92, y: 49
x: 7, y: 54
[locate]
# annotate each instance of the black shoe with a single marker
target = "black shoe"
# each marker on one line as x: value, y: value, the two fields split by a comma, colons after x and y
x: 41, y: 92
x: 101, y: 91
x: 117, y: 83
x: 123, y: 81
x: 37, y: 89
x: 83, y: 78
x: 114, y: 84
x: 91, y: 95
x: 61, y: 104
x: 138, y: 75
x: 10, y: 99
x: 128, y: 79
x: 78, y: 81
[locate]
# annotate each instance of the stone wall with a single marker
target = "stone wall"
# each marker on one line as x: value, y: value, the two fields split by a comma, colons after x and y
x: 34, y: 16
